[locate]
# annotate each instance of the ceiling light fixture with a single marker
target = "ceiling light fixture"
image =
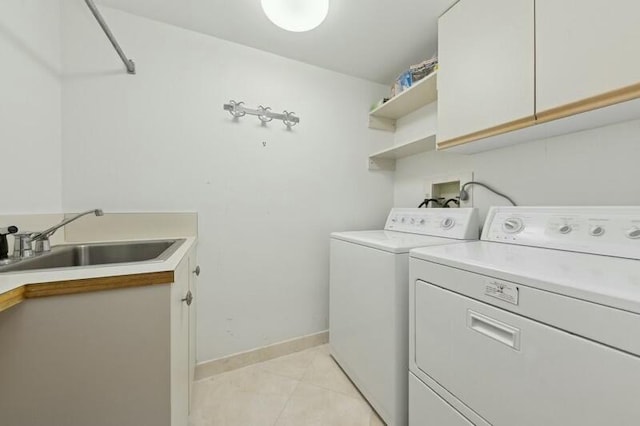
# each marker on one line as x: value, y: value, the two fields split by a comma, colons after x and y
x: 296, y: 15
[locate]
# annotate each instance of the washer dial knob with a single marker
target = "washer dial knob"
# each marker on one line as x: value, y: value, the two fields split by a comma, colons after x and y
x: 597, y: 231
x: 513, y: 225
x: 565, y: 229
x: 447, y: 223
x: 634, y: 233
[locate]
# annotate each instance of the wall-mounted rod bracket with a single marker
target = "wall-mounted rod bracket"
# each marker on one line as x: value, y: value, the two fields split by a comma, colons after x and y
x: 131, y: 66
x: 237, y: 110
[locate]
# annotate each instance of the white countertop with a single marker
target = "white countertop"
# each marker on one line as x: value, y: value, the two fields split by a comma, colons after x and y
x: 12, y: 280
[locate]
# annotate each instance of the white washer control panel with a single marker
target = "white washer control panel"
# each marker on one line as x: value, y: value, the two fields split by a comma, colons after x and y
x: 613, y: 231
x: 456, y: 223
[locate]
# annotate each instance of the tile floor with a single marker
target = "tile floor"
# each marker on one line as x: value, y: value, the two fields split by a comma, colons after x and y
x: 302, y: 389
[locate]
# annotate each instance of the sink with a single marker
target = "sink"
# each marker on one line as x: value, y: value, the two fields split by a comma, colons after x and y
x: 92, y: 254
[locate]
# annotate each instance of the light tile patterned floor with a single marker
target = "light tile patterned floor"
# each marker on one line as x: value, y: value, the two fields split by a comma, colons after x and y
x: 302, y: 389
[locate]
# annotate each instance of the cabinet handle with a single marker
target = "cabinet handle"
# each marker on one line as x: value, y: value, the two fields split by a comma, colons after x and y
x: 494, y: 329
x: 188, y: 298
x: 197, y: 271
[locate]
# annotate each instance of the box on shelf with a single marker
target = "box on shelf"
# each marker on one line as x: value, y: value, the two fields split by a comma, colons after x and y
x: 414, y: 74
x: 408, y: 78
x: 423, y: 69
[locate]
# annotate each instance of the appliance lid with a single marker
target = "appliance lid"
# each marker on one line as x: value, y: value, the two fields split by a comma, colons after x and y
x: 391, y: 241
x: 605, y: 280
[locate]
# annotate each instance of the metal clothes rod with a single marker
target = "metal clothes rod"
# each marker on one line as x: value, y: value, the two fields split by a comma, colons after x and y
x: 264, y: 114
x: 131, y: 66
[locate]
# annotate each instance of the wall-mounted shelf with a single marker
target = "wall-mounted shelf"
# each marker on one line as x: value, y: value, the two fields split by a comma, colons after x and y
x: 386, y: 159
x: 420, y: 94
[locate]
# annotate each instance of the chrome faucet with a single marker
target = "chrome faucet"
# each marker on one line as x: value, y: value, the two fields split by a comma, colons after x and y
x: 42, y: 238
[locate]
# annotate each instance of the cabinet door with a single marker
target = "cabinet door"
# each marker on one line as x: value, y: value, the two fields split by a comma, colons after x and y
x: 585, y: 48
x: 195, y: 272
x: 180, y: 381
x: 486, y: 77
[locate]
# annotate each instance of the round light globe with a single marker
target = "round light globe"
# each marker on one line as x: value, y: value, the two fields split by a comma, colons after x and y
x: 296, y: 15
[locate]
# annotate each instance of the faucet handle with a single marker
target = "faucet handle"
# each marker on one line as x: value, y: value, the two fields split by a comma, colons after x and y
x: 22, y: 245
x: 42, y: 245
x: 4, y: 245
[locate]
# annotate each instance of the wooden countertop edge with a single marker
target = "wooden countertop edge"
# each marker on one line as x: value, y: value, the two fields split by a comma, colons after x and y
x: 11, y: 298
x: 84, y: 285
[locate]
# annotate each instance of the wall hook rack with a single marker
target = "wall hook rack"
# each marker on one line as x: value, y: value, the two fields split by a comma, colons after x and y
x: 264, y: 114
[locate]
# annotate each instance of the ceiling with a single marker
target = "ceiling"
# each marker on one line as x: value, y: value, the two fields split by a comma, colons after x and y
x: 370, y: 39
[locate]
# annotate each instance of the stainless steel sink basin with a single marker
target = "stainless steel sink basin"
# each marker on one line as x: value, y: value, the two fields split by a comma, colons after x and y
x: 92, y: 254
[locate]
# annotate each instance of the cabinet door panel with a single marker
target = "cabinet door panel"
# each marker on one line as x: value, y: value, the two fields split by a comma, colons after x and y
x: 585, y: 48
x: 486, y: 79
x: 193, y: 264
x: 180, y: 346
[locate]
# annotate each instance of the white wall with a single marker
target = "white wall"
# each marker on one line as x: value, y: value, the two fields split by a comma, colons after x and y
x: 30, y: 106
x: 160, y: 141
x: 594, y: 167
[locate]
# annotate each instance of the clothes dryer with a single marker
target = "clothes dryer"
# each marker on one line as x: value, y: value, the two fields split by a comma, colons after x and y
x: 537, y: 324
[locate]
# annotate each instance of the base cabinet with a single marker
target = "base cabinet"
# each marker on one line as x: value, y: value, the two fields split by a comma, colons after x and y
x: 182, y: 339
x: 118, y: 357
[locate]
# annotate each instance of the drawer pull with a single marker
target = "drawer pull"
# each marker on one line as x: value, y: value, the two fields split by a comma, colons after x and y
x: 494, y: 329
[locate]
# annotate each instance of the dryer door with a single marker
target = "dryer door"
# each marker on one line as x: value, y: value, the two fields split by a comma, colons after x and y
x: 514, y: 371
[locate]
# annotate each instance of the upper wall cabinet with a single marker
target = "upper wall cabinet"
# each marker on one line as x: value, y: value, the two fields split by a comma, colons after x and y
x: 584, y: 63
x: 487, y: 63
x: 585, y: 48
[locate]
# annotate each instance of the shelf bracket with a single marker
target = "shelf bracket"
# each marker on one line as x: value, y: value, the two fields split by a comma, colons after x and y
x: 380, y: 123
x: 388, y: 164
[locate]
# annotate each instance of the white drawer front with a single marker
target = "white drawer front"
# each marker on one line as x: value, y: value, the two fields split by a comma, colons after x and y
x: 515, y: 371
x: 428, y: 409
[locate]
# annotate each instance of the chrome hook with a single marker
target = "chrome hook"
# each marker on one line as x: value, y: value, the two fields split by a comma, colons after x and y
x: 264, y: 114
x: 235, y: 111
x: 289, y: 119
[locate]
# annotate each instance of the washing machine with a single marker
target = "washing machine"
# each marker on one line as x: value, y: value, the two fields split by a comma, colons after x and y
x: 369, y: 298
x: 536, y: 324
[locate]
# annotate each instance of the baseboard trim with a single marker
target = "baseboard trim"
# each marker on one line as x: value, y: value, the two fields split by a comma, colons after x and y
x: 243, y: 359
